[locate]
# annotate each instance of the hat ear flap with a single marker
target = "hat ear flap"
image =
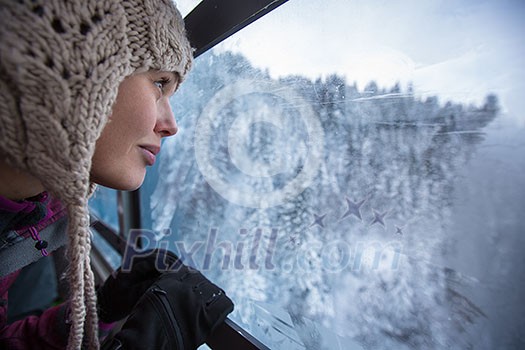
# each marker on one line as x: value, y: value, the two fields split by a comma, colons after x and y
x: 12, y: 129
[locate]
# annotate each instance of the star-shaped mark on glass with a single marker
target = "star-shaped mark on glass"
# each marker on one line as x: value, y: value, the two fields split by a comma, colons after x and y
x: 353, y: 209
x: 379, y: 218
x: 293, y: 240
x: 318, y: 220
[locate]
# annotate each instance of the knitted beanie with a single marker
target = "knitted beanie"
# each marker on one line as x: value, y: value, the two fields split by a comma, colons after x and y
x: 61, y: 63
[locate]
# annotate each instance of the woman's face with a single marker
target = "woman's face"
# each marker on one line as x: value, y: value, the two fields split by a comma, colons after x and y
x: 131, y: 139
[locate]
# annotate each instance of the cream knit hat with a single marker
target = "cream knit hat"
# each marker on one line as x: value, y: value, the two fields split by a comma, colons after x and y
x: 61, y: 63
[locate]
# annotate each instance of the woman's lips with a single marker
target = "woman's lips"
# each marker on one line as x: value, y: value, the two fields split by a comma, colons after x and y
x: 150, y: 153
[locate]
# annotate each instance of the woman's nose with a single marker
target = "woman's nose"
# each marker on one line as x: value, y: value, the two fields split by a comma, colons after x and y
x: 166, y: 123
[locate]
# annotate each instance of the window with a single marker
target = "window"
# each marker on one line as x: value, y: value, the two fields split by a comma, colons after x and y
x: 104, y: 209
x: 351, y: 174
x: 103, y: 204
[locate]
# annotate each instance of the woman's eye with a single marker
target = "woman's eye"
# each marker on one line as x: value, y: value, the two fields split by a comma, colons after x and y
x: 161, y: 83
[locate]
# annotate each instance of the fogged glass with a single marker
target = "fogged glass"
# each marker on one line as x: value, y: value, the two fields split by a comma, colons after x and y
x: 351, y: 173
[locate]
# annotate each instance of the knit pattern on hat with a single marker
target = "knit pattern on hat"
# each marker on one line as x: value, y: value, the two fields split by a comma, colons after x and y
x: 61, y: 63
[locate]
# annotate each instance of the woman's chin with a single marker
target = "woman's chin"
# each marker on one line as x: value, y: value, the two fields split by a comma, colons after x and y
x: 129, y: 187
x: 122, y: 183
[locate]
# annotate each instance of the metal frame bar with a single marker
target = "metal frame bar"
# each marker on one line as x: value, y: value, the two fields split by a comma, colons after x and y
x: 230, y: 335
x: 114, y: 239
x: 131, y: 211
x: 212, y: 21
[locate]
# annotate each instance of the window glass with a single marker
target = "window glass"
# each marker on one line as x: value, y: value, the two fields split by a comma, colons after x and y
x: 351, y: 173
x: 103, y: 204
x: 186, y: 6
x: 110, y: 254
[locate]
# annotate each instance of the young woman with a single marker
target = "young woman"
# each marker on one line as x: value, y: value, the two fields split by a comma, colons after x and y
x: 84, y: 100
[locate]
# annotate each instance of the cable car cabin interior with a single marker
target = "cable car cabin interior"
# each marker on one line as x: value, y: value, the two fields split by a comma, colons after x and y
x: 349, y: 172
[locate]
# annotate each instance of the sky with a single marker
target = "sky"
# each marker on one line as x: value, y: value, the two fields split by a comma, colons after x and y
x: 460, y: 50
